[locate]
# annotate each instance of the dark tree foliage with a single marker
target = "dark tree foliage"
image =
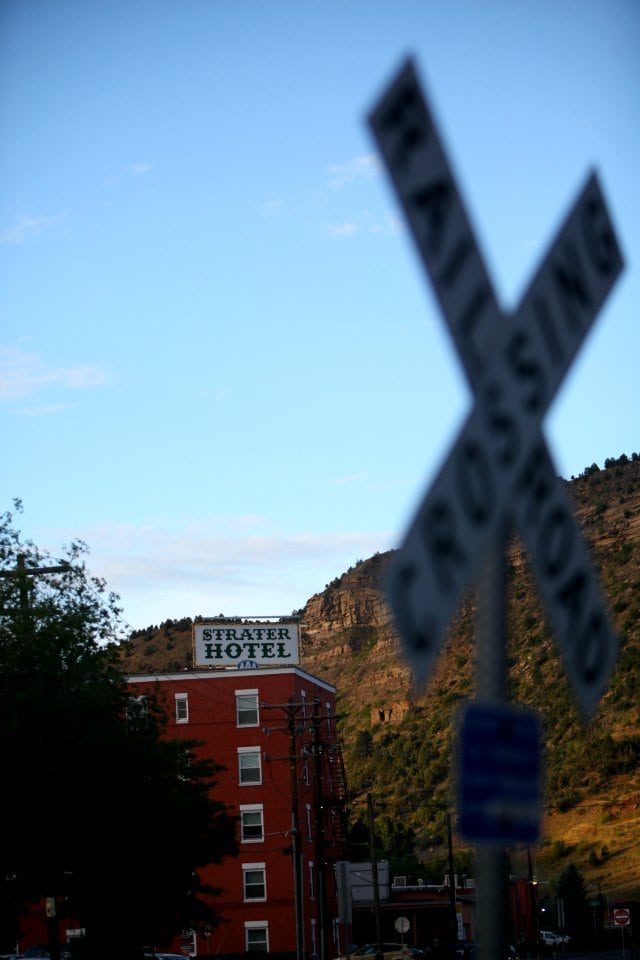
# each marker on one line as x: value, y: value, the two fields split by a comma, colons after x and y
x: 100, y: 809
x: 573, y: 891
x: 398, y: 843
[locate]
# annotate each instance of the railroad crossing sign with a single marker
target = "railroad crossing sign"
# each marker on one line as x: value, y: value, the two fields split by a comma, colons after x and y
x: 499, y: 467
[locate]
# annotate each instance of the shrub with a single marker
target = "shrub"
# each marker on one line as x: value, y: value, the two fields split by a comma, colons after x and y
x: 559, y: 849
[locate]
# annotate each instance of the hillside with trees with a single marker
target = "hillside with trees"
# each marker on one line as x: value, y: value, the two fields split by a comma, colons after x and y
x: 400, y: 743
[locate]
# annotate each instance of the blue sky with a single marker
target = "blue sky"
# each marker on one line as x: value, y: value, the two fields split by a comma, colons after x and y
x: 220, y: 362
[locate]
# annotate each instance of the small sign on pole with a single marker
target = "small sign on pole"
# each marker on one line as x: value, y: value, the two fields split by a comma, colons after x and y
x: 622, y: 917
x: 499, y: 795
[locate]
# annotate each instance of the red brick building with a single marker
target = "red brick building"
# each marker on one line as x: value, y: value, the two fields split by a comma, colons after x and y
x: 273, y: 731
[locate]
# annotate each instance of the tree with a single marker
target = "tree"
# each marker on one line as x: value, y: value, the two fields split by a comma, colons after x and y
x: 363, y: 745
x: 398, y: 843
x: 106, y: 813
x: 573, y: 891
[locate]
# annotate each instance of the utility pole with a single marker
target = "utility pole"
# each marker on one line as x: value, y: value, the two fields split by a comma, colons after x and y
x: 533, y: 901
x: 319, y: 819
x: 491, y: 674
x: 452, y: 885
x: 21, y: 573
x: 295, y: 830
x: 291, y: 709
x: 374, y: 877
x: 320, y: 803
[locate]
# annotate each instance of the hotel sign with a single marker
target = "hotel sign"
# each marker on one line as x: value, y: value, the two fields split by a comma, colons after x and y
x: 245, y: 645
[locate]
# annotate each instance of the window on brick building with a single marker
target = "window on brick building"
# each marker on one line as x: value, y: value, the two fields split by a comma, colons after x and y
x: 256, y: 936
x: 254, y: 882
x: 309, y: 827
x: 182, y: 708
x: 247, y: 708
x: 312, y: 888
x: 251, y: 823
x: 249, y: 767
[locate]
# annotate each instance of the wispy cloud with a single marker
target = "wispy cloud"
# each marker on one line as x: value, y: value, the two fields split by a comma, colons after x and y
x: 271, y: 206
x: 329, y: 207
x: 26, y: 228
x: 24, y: 375
x: 45, y: 409
x: 351, y: 478
x: 358, y: 168
x: 231, y: 565
x: 338, y: 230
x: 365, y: 223
x: 138, y: 169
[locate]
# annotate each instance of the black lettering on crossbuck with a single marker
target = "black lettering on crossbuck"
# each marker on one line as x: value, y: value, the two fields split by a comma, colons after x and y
x: 499, y: 469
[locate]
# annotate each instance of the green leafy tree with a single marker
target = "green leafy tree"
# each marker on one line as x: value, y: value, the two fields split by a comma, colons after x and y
x: 103, y: 811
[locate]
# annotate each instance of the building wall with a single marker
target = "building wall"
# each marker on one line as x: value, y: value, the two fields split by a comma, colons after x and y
x: 204, y: 706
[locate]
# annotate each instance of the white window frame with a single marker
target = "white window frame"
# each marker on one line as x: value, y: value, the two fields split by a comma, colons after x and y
x: 247, y: 693
x: 182, y: 701
x: 252, y: 808
x: 246, y: 867
x: 255, y: 925
x: 303, y: 695
x: 249, y: 783
x: 329, y: 718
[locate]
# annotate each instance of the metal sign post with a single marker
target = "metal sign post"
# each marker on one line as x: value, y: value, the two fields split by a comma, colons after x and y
x: 499, y: 471
x: 491, y: 675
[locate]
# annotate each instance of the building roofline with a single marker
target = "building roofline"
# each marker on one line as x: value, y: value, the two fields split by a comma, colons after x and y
x: 227, y: 674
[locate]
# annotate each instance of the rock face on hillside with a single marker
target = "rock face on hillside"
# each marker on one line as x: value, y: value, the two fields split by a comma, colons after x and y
x: 348, y: 635
x: 401, y: 740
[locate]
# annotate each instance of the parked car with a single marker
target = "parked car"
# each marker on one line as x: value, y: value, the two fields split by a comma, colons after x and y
x: 392, y: 951
x: 163, y: 956
x: 466, y: 950
x: 550, y: 939
x: 42, y: 953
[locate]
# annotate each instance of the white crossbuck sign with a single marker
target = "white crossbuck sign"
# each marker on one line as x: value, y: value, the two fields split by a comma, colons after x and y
x: 499, y: 469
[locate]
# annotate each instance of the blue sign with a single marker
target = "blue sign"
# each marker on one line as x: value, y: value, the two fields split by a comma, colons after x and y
x: 499, y: 780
